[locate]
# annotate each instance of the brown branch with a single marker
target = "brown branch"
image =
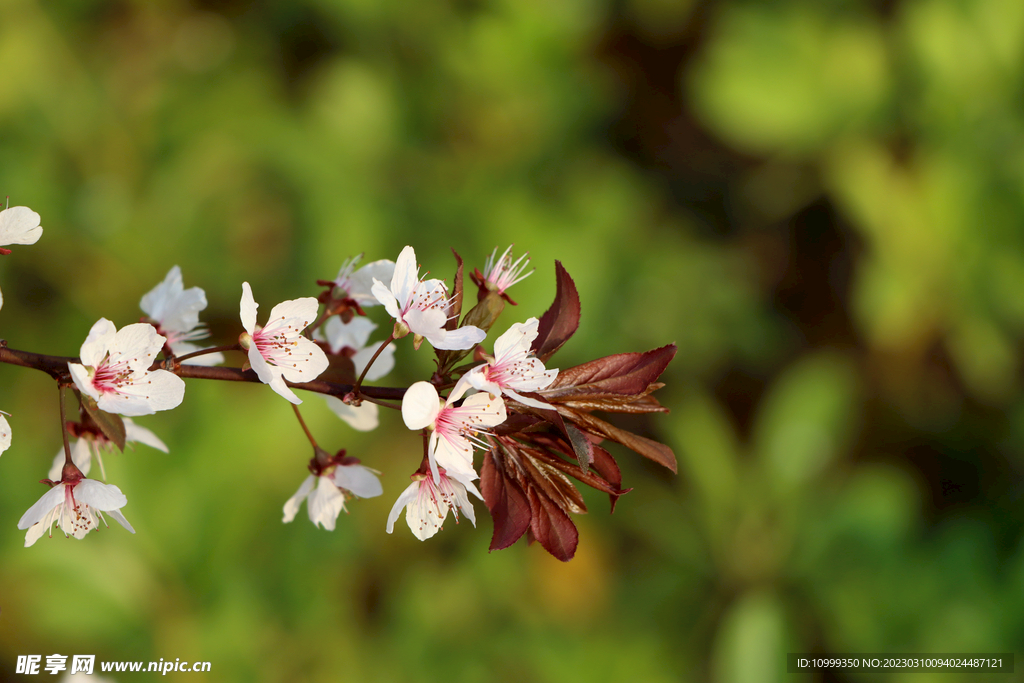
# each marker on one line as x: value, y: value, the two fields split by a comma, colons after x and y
x: 57, y: 367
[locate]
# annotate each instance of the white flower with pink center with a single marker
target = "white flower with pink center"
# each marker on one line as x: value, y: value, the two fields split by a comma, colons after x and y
x: 175, y: 310
x: 356, y: 284
x: 453, y: 429
x: 427, y: 503
x: 501, y: 272
x: 18, y: 225
x: 513, y: 368
x: 325, y: 494
x: 77, y: 507
x: 115, y: 370
x: 278, y: 351
x: 421, y: 307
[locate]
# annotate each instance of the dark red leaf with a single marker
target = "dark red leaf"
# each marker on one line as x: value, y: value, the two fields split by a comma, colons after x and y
x: 552, y: 527
x: 507, y: 502
x: 581, y: 446
x: 605, y: 465
x: 627, y: 374
x: 455, y: 309
x: 561, y: 320
x: 658, y: 452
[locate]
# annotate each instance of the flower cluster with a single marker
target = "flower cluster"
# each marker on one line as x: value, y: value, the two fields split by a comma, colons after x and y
x: 533, y: 423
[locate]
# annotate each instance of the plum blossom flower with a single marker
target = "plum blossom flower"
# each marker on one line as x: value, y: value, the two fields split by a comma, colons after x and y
x: 77, y: 506
x: 453, y: 429
x: 356, y: 284
x: 512, y: 368
x: 5, y: 433
x: 350, y: 339
x: 175, y: 310
x: 115, y: 370
x: 427, y: 503
x: 18, y: 225
x: 421, y: 307
x: 501, y: 272
x: 326, y: 493
x: 277, y: 351
x: 94, y: 444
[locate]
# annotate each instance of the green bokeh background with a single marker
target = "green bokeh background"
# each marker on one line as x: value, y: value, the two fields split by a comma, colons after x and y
x: 819, y: 201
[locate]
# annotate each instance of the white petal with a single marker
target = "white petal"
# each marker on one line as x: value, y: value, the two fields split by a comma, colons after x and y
x: 481, y: 410
x: 425, y: 515
x: 428, y: 323
x: 247, y: 309
x: 363, y: 418
x: 463, y: 338
x: 305, y: 362
x: 133, y: 432
x: 527, y: 401
x: 119, y: 518
x: 384, y: 295
x: 455, y: 455
x: 407, y: 496
x: 144, y: 394
x: 405, y: 277
x: 325, y: 503
x: 477, y: 378
x: 94, y: 348
x: 355, y: 334
x: 47, y: 502
x: 1, y: 299
x: 292, y: 505
x: 5, y: 434
x: 19, y: 225
x: 136, y: 344
x: 359, y: 480
x: 99, y: 495
x: 361, y: 281
x: 154, y: 303
x: 80, y: 375
x: 515, y: 343
x: 291, y: 313
x: 271, y: 375
x: 420, y: 405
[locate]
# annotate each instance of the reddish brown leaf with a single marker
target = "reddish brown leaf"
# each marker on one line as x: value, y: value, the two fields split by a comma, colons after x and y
x: 561, y: 320
x: 605, y: 465
x: 584, y: 476
x: 620, y: 374
x: 552, y: 484
x: 111, y: 425
x: 552, y: 527
x: 455, y: 309
x: 658, y: 452
x: 581, y: 446
x: 507, y: 502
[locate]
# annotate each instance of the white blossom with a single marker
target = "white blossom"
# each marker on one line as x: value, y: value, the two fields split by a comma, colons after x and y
x: 513, y: 368
x: 77, y: 507
x: 356, y: 284
x: 453, y: 429
x: 427, y: 504
x: 115, y: 370
x: 501, y: 272
x: 351, y: 339
x: 422, y: 306
x: 5, y: 433
x: 18, y: 225
x: 325, y: 494
x: 278, y: 351
x: 176, y: 311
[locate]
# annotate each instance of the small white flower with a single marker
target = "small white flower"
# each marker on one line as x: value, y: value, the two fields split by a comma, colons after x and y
x: 501, y: 272
x: 176, y: 311
x: 427, y: 504
x: 326, y: 493
x: 18, y: 225
x: 89, y: 445
x: 77, y: 507
x: 513, y: 368
x: 115, y: 370
x: 453, y: 429
x: 421, y: 306
x: 356, y: 284
x: 5, y: 432
x: 278, y: 351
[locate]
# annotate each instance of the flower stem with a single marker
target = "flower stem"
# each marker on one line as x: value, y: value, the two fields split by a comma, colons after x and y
x: 359, y: 382
x: 304, y: 427
x: 203, y: 352
x: 61, y: 393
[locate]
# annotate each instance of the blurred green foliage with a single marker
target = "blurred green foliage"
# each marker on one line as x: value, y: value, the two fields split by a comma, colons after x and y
x: 818, y: 201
